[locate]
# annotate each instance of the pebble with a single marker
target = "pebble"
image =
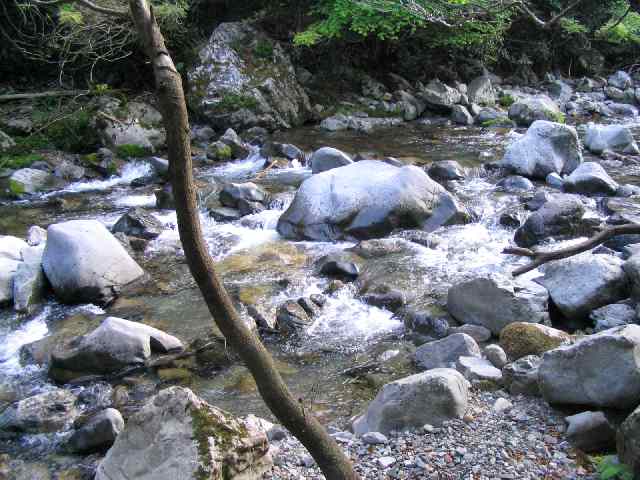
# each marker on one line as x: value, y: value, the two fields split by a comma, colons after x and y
x: 492, y: 445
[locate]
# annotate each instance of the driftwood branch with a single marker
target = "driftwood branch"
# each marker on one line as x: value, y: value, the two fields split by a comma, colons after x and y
x: 540, y: 258
x: 34, y: 96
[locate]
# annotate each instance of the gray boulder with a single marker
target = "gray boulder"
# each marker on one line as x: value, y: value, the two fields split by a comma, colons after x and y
x: 590, y: 432
x: 245, y: 79
x: 135, y: 123
x: 481, y: 91
x: 494, y: 302
x: 525, y: 111
x: 84, y: 262
x: 6, y: 142
x: 461, y: 115
x: 137, y: 222
x: 233, y: 194
x: 515, y: 183
x: 291, y: 318
x: 590, y: 179
x: 600, y: 370
x: 98, y: 433
x: 445, y: 352
x: 8, y: 270
x: 29, y: 281
x: 11, y: 247
x: 446, y: 170
x: 440, y: 97
x: 327, y: 158
x: 114, y: 345
x: 29, y: 181
x: 616, y: 138
x: 614, y: 315
x: 628, y: 441
x: 431, y: 397
x: 478, y: 369
x: 496, y: 355
x: 521, y: 376
x: 580, y: 284
x: 367, y: 199
x: 620, y: 80
x: 560, y: 91
x: 490, y: 117
x: 178, y: 435
x: 547, y: 147
x: 561, y: 217
x: 239, y: 149
x: 46, y: 412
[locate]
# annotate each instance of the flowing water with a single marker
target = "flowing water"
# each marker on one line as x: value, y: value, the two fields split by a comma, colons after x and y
x: 258, y: 264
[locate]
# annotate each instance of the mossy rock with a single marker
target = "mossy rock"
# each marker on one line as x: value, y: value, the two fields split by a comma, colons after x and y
x: 506, y: 100
x: 520, y: 339
x: 181, y: 375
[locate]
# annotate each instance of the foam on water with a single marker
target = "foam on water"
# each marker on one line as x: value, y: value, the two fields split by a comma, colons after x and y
x: 347, y: 322
x: 31, y: 331
x: 241, y: 168
x: 130, y: 172
x: 136, y: 201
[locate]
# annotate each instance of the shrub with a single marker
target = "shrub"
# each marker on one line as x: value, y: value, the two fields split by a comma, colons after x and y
x: 16, y: 162
x: 131, y: 151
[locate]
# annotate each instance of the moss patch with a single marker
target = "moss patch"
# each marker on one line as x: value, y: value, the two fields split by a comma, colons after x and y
x: 506, y: 100
x: 129, y: 150
x: 557, y: 117
x: 521, y: 339
x: 206, y: 425
x: 231, y: 102
x: 16, y: 188
x: 16, y: 162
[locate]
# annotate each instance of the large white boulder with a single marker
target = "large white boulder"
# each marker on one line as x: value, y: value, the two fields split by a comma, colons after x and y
x: 85, y: 263
x: 367, y: 199
x: 546, y: 148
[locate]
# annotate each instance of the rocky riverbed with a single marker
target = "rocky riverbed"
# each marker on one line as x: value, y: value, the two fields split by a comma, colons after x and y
x: 370, y: 262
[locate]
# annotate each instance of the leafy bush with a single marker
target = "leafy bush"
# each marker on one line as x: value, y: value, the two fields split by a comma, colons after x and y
x: 131, y: 151
x: 609, y: 468
x: 263, y: 49
x: 74, y: 132
x: 16, y: 162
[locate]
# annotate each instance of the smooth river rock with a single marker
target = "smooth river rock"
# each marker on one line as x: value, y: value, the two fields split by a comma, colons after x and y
x: 546, y: 148
x: 600, y: 370
x: 84, y: 262
x: 494, y: 302
x: 430, y: 397
x: 367, y: 199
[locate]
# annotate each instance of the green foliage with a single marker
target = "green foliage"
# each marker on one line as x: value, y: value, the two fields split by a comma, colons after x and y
x: 626, y: 32
x: 393, y: 21
x: 609, y: 468
x: 16, y: 162
x: 263, y: 49
x: 557, y: 117
x: 26, y: 145
x: 74, y: 132
x: 572, y: 26
x: 68, y: 15
x: 129, y: 150
x: 506, y: 100
x: 231, y: 102
x: 16, y: 188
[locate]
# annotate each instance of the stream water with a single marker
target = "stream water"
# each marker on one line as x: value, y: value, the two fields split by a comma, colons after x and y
x: 254, y: 260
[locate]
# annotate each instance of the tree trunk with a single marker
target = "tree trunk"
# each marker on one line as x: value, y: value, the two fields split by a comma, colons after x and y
x: 329, y: 456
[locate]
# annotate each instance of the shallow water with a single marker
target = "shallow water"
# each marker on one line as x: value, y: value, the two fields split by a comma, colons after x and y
x: 255, y: 260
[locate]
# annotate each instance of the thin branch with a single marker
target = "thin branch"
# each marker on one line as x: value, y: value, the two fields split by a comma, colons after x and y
x: 549, y: 23
x: 540, y: 258
x: 52, y: 93
x: 85, y: 3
